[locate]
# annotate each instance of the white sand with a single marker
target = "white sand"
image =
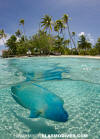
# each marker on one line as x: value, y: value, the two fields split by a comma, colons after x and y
x: 77, y: 56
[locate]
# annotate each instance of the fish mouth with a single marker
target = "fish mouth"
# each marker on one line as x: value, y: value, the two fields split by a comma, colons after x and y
x: 64, y: 117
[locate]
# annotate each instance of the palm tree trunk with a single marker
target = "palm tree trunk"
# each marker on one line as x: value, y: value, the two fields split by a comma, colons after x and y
x: 71, y: 36
x: 24, y: 31
x: 71, y: 44
x: 49, y: 31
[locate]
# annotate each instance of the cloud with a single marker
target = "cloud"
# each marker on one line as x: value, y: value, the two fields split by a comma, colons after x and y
x: 4, y: 40
x: 89, y: 37
x: 81, y: 33
x: 1, y: 42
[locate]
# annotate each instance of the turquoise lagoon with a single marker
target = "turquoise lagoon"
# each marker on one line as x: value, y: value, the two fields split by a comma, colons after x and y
x: 75, y: 80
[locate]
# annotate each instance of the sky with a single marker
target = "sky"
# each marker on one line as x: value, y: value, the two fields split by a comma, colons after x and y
x: 85, y: 15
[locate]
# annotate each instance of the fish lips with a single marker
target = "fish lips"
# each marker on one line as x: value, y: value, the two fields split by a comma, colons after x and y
x: 64, y: 116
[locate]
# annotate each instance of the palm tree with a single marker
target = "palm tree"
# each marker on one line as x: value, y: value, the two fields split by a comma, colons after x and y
x: 66, y: 42
x: 56, y: 28
x: 73, y: 35
x: 18, y: 33
x: 2, y: 35
x: 83, y: 43
x: 59, y: 26
x: 46, y: 23
x: 97, y: 46
x: 21, y: 22
x: 65, y: 21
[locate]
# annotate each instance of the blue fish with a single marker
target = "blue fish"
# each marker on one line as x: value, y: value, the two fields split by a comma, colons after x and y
x: 39, y: 101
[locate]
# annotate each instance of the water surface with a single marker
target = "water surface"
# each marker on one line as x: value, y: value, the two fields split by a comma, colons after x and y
x: 75, y: 80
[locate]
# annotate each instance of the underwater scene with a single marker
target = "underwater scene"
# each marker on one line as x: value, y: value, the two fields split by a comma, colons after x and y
x: 49, y: 95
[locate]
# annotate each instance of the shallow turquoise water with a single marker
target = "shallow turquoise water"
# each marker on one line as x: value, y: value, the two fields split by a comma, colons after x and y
x: 75, y: 80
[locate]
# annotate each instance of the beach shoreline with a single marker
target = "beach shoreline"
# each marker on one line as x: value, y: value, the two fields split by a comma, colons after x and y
x: 77, y: 56
x: 60, y: 56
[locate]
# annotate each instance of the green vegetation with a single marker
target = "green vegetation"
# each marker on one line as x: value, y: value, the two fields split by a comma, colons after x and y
x: 46, y: 23
x: 49, y: 40
x: 2, y: 35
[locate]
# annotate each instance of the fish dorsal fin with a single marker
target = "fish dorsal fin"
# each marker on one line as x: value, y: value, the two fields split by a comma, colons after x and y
x: 34, y: 114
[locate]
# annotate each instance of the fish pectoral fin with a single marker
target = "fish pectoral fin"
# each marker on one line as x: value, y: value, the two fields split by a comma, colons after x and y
x: 34, y: 114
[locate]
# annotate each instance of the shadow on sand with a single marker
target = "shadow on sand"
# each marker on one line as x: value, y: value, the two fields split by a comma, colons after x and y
x: 36, y: 127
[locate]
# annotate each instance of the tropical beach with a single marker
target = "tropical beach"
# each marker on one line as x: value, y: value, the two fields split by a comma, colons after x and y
x: 50, y: 39
x: 49, y: 69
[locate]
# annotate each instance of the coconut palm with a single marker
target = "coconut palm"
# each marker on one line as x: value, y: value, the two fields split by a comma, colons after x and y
x: 65, y: 21
x: 83, y: 43
x: 21, y: 22
x: 56, y: 28
x: 73, y: 34
x: 2, y: 35
x: 18, y: 33
x: 46, y: 23
x: 59, y: 26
